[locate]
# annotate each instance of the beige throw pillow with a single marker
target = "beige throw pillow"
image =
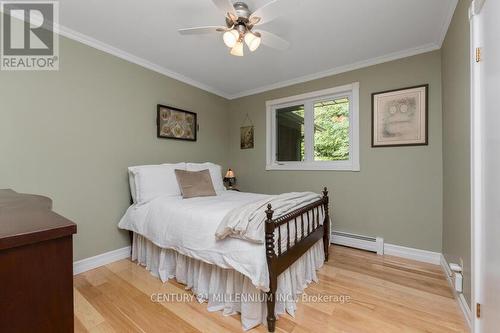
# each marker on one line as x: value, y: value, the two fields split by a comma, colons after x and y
x: 195, y: 183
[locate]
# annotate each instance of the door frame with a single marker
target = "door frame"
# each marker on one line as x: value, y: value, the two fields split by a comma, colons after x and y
x: 476, y: 161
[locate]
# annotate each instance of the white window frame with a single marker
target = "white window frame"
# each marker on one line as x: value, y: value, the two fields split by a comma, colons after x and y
x: 352, y: 92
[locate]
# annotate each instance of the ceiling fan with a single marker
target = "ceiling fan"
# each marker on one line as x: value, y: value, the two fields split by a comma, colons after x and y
x: 240, y: 24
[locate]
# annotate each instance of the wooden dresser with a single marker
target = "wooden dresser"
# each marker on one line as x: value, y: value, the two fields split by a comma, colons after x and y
x: 36, y: 265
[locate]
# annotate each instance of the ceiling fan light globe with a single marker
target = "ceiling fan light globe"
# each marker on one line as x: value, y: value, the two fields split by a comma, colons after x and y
x: 230, y: 38
x: 237, y: 50
x: 252, y: 41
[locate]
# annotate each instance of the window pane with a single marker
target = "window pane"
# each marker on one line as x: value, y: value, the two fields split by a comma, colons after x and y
x: 290, y: 133
x: 331, y: 130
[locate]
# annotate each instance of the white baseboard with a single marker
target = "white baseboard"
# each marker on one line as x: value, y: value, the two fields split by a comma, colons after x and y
x: 411, y: 253
x: 446, y: 268
x: 464, y: 306
x: 87, y: 264
x: 389, y: 249
x: 462, y: 302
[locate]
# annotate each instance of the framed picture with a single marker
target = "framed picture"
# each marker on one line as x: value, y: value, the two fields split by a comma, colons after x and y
x: 399, y: 117
x: 173, y: 123
x: 246, y: 135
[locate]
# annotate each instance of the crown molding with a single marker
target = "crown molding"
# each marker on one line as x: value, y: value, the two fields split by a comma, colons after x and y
x: 87, y: 40
x: 476, y: 6
x: 341, y: 69
x: 96, y: 44
x: 99, y: 45
x: 447, y: 22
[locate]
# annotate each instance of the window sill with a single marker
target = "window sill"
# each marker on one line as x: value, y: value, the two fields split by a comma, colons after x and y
x: 311, y: 166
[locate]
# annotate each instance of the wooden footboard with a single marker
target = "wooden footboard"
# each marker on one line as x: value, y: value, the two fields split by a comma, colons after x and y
x: 301, y: 230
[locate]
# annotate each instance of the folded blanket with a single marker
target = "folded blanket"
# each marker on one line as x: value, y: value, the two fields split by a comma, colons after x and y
x: 248, y: 222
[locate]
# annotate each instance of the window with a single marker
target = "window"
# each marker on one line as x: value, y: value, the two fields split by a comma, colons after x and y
x: 290, y: 133
x: 314, y: 131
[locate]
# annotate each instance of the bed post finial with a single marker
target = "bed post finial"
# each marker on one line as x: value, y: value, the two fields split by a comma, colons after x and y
x: 269, y: 212
x: 269, y: 233
x: 326, y: 223
x: 273, y: 278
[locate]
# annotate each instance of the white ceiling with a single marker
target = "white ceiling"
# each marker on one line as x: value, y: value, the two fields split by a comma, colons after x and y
x: 327, y: 37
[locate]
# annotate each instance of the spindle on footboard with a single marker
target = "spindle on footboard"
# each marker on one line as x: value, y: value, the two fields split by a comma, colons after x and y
x: 279, y: 258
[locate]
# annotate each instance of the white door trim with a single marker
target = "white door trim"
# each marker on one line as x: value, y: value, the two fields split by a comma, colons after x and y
x: 476, y: 161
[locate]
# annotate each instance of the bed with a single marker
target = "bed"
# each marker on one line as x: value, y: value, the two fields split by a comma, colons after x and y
x: 177, y: 238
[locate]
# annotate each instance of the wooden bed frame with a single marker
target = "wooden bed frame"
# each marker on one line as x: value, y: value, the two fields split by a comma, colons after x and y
x: 309, y: 235
x: 311, y: 232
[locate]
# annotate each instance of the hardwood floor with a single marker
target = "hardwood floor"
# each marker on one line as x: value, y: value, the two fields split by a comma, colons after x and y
x: 387, y: 294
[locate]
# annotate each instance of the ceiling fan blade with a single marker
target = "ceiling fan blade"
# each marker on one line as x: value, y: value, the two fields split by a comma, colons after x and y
x: 273, y: 40
x: 225, y: 6
x: 273, y: 9
x: 202, y: 30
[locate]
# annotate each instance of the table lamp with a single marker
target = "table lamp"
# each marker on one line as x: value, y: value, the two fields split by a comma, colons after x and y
x: 230, y: 179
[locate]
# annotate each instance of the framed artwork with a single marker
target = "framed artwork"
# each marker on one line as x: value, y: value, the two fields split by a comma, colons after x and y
x: 246, y: 135
x: 399, y: 117
x: 173, y: 123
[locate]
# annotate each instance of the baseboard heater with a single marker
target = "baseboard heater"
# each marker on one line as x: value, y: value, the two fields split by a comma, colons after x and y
x: 373, y: 244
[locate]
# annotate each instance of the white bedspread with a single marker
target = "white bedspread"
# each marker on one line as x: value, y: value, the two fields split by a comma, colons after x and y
x: 248, y: 222
x: 188, y: 226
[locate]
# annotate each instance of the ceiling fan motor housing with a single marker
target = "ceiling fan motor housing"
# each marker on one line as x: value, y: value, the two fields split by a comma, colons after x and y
x: 241, y: 23
x: 242, y: 10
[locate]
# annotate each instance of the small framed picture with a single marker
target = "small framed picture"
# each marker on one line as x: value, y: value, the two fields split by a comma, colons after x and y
x: 399, y: 117
x: 246, y: 135
x: 173, y: 123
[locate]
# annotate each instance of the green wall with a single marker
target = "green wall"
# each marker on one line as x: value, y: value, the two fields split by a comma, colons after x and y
x: 456, y: 143
x: 398, y: 192
x: 71, y: 134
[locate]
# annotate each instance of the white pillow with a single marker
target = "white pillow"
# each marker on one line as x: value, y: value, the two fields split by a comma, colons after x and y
x: 215, y: 173
x: 131, y: 179
x: 150, y: 181
x: 131, y: 182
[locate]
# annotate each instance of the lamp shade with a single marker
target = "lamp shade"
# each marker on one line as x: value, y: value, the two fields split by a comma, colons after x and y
x: 237, y: 50
x: 231, y: 38
x: 252, y: 41
x: 230, y: 174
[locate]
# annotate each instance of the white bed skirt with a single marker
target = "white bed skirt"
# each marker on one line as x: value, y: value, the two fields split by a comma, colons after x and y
x: 226, y: 289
